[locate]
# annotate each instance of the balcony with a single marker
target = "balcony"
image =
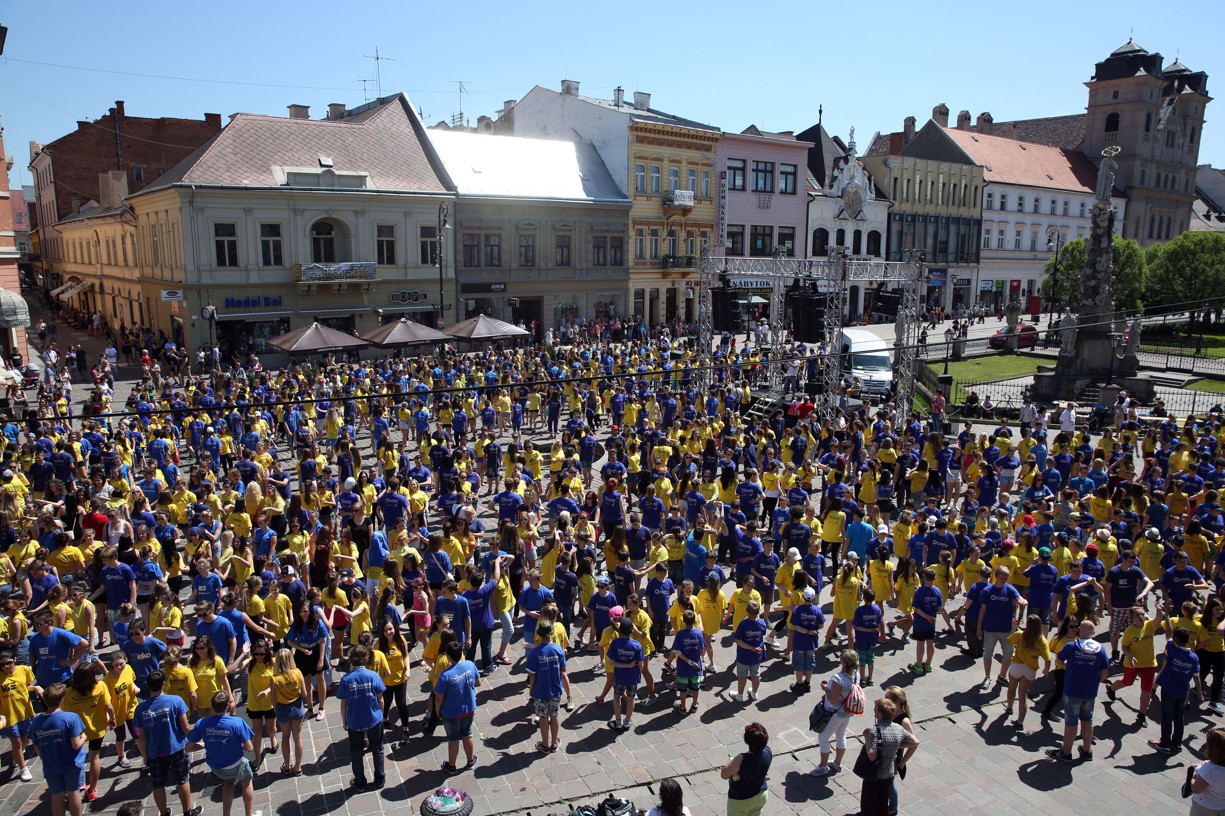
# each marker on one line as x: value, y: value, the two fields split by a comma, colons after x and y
x: 679, y: 199
x: 336, y: 277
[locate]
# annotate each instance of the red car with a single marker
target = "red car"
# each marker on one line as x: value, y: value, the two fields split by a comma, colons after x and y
x: 1028, y: 337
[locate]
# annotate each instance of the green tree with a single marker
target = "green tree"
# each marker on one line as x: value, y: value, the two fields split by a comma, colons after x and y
x: 1187, y: 272
x: 1128, y: 275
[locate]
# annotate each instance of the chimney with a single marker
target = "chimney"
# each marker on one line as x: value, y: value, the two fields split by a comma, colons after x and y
x: 213, y: 119
x: 119, y: 114
x: 642, y: 100
x: 569, y: 87
x: 299, y: 112
x: 507, y: 107
x: 112, y: 188
x: 618, y: 96
x: 940, y: 115
x: 984, y: 123
x: 336, y: 110
x: 963, y: 120
x: 908, y: 130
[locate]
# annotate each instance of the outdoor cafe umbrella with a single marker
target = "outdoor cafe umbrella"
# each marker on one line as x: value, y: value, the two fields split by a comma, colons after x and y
x: 404, y: 332
x: 316, y: 339
x: 483, y: 327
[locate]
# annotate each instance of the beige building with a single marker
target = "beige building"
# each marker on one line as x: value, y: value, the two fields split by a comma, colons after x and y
x: 280, y: 222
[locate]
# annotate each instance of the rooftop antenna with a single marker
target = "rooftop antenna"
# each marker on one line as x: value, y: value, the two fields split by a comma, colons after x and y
x: 820, y: 114
x: 365, y: 89
x: 378, y: 74
x: 457, y: 119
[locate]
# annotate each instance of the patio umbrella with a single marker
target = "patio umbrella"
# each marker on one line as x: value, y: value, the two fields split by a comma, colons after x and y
x: 404, y: 332
x: 483, y: 327
x: 316, y: 339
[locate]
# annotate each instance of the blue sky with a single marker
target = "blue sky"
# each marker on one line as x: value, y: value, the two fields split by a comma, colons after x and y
x: 729, y: 64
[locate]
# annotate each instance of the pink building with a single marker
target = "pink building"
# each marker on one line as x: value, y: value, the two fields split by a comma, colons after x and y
x: 14, y: 313
x: 762, y: 200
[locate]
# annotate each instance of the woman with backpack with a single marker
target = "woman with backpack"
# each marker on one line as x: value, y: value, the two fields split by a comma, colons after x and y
x: 843, y: 699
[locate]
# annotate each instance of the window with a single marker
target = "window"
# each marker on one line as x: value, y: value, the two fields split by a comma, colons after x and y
x: 493, y: 250
x: 999, y: 238
x: 1016, y: 241
x: 1152, y: 220
x: 472, y: 249
x: 1148, y: 123
x: 640, y: 245
x: 1191, y: 136
x: 990, y: 201
x: 786, y: 179
x: 225, y: 243
x: 1082, y: 209
x: 323, y: 242
x: 385, y: 244
x: 640, y: 178
x: 691, y: 244
x: 705, y: 184
x: 735, y: 174
x: 561, y: 250
x: 906, y: 191
x: 693, y: 181
x: 1033, y: 241
x: 786, y: 240
x: 1037, y: 203
x: 735, y: 240
x: 1065, y: 206
x: 599, y: 250
x: 1114, y: 94
x: 654, y: 245
x: 138, y: 172
x: 656, y: 179
x: 527, y: 250
x: 1112, y: 123
x: 987, y: 238
x: 270, y: 248
x: 1054, y: 204
x: 820, y: 241
x: 1020, y: 203
x: 123, y: 242
x: 674, y: 178
x: 763, y: 177
x: 616, y: 250
x: 1003, y: 201
x: 761, y: 241
x: 428, y: 236
x: 671, y: 243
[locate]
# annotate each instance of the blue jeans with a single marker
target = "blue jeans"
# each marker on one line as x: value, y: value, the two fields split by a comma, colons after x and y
x: 359, y: 741
x: 1173, y: 709
x: 485, y: 639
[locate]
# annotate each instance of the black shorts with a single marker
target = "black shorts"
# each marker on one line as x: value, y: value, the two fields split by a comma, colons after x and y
x: 143, y: 600
x: 885, y: 506
x: 930, y: 634
x: 270, y: 714
x: 308, y: 662
x: 169, y: 771
x: 95, y: 744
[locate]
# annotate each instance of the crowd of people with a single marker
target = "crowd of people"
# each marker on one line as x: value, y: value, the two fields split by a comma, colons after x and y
x: 261, y: 543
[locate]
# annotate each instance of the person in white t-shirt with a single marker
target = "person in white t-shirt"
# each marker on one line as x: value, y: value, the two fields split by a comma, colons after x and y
x: 1067, y: 418
x: 1208, y: 782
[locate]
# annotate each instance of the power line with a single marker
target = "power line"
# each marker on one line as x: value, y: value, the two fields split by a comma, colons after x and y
x: 177, y: 78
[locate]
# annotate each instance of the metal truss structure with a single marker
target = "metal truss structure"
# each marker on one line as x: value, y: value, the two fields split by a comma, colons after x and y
x: 832, y: 276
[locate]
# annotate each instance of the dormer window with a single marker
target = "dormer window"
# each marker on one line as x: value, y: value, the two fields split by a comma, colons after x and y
x: 325, y: 176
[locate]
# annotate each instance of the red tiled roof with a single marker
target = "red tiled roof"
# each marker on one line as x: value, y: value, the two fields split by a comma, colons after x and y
x: 886, y: 144
x: 1009, y: 161
x: 1057, y: 131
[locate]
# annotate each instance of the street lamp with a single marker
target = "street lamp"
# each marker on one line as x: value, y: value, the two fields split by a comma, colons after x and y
x: 948, y: 344
x: 1054, y: 240
x: 443, y: 210
x: 1116, y: 339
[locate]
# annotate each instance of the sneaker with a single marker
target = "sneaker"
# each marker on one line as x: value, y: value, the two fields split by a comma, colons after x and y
x: 905, y: 640
x: 737, y: 697
x: 1055, y: 753
x: 798, y: 688
x: 26, y: 776
x: 625, y: 726
x: 125, y: 763
x: 987, y: 683
x: 917, y: 668
x: 568, y: 705
x: 1110, y: 693
x: 820, y: 770
x: 503, y: 660
x: 1085, y: 755
x: 614, y: 725
x: 195, y: 811
x: 1157, y: 745
x: 650, y: 701
x: 927, y: 668
x: 1141, y: 719
x: 1216, y: 708
x: 834, y: 767
x: 752, y: 695
x: 90, y: 795
x: 867, y: 682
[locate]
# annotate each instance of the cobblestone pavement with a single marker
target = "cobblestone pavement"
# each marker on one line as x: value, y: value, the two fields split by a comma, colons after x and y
x: 972, y: 762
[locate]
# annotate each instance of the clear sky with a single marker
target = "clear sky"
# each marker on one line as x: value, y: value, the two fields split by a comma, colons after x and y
x: 728, y: 64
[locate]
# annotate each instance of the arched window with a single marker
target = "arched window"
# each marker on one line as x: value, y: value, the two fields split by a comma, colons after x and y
x: 820, y: 242
x: 874, y: 243
x: 1112, y: 123
x: 323, y: 242
x: 840, y: 238
x: 857, y: 242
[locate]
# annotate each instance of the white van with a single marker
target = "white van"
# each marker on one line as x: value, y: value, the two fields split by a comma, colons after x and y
x: 867, y: 357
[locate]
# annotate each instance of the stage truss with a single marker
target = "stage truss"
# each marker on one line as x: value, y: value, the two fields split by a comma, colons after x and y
x: 831, y: 276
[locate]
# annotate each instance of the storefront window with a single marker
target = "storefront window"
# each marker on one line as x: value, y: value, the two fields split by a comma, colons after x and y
x: 244, y: 337
x: 344, y: 323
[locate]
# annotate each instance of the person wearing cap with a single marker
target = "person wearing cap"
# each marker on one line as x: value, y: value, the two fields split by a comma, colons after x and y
x: 805, y: 622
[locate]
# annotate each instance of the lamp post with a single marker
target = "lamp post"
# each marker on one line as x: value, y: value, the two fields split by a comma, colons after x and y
x: 948, y: 344
x: 443, y: 211
x: 1054, y: 240
x: 1116, y: 339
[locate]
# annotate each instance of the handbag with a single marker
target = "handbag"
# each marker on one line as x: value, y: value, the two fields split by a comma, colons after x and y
x: 820, y: 717
x: 1186, y: 785
x: 865, y: 767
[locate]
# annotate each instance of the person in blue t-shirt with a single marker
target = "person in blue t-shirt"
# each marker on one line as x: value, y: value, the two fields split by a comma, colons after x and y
x: 360, y: 693
x: 869, y: 627
x: 547, y: 681
x: 532, y: 599
x: 997, y: 607
x: 628, y: 663
x: 1086, y: 668
x: 750, y: 652
x: 455, y: 705
x: 224, y: 738
x: 928, y: 603
x: 687, y: 649
x: 58, y: 737
x: 456, y: 605
x: 1181, y: 668
x: 658, y: 594
x: 806, y: 622
x: 54, y: 652
x: 162, y: 739
x: 144, y: 653
x: 1042, y: 577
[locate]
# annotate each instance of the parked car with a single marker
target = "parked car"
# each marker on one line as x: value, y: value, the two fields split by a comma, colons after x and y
x: 1027, y: 336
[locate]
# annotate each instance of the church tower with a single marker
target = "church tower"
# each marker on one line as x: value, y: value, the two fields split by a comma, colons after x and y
x: 1155, y: 116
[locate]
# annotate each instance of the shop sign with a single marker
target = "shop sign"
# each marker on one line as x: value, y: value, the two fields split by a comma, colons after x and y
x: 722, y: 235
x: 937, y: 277
x: 481, y: 288
x: 1014, y: 286
x: 749, y: 283
x: 409, y: 296
x: 253, y: 302
x: 961, y: 281
x: 336, y: 272
x: 172, y: 294
x: 999, y: 286
x: 985, y: 286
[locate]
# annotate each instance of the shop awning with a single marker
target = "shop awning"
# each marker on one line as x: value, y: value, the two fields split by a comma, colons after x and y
x: 77, y: 288
x: 334, y: 312
x: 14, y: 312
x: 253, y: 315
x: 63, y: 287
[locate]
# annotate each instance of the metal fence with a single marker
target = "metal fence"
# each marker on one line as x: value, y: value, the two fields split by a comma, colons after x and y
x: 1184, y: 401
x: 1175, y: 356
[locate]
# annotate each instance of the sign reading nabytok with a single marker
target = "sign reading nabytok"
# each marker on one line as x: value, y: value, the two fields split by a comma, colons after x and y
x: 749, y: 283
x: 330, y: 272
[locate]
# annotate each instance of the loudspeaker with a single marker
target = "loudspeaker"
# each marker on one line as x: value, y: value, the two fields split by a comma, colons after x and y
x: 725, y: 313
x: 807, y: 317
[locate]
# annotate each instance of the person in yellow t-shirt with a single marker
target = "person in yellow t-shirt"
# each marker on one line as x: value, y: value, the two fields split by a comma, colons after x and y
x: 1210, y: 646
x: 1029, y: 647
x: 1139, y: 659
x: 289, y: 694
x: 121, y: 682
x: 90, y: 699
x: 741, y: 596
x: 210, y: 676
x: 180, y: 682
x: 261, y: 710
x: 16, y: 689
x: 395, y: 648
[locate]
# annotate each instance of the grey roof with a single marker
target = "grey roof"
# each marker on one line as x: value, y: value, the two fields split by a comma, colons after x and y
x: 1176, y: 67
x: 385, y: 141
x: 649, y: 115
x: 519, y: 167
x: 824, y: 155
x: 91, y: 212
x: 1128, y: 47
